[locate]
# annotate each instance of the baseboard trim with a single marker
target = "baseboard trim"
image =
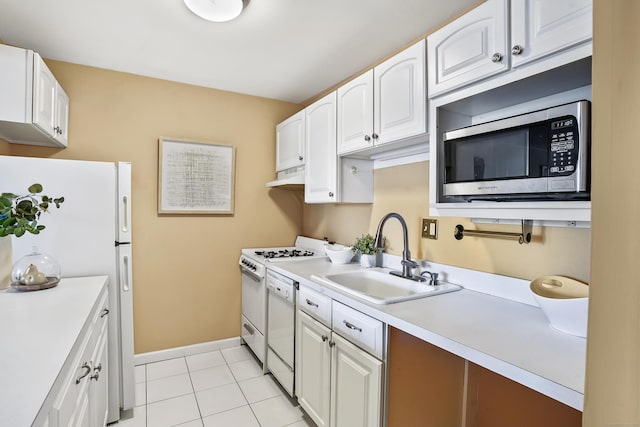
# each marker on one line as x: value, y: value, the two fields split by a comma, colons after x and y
x: 187, y: 350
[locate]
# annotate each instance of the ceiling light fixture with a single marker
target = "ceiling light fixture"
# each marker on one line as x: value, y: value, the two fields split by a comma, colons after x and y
x: 216, y: 10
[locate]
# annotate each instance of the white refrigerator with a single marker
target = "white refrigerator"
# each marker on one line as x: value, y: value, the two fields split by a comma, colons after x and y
x: 89, y: 235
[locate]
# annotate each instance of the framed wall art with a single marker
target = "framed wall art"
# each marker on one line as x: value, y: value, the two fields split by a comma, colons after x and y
x: 195, y: 177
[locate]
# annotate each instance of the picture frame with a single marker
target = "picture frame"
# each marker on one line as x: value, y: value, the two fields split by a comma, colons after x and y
x: 195, y: 177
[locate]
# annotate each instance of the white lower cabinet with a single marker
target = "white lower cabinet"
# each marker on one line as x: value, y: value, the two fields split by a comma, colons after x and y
x: 99, y: 381
x: 313, y: 368
x: 337, y: 383
x: 356, y: 386
x: 81, y: 397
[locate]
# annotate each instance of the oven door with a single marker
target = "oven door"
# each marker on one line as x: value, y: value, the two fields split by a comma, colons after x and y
x: 254, y: 298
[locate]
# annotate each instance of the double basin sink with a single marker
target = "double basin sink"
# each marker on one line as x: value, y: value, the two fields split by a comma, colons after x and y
x: 376, y: 285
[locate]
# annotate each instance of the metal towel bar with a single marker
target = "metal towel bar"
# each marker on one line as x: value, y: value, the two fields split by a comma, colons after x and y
x: 523, y: 237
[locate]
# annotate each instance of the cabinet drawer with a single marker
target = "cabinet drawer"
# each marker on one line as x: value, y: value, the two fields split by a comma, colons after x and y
x: 99, y: 320
x: 358, y: 328
x: 315, y: 304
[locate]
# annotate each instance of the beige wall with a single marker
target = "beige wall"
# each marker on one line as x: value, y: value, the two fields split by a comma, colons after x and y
x: 5, y: 148
x: 405, y: 189
x: 186, y: 278
x: 613, y: 347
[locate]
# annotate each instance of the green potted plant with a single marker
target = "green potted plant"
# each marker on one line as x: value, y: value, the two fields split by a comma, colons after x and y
x: 365, y: 247
x: 20, y: 214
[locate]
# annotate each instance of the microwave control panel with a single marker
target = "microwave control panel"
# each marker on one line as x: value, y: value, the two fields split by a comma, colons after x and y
x: 564, y: 146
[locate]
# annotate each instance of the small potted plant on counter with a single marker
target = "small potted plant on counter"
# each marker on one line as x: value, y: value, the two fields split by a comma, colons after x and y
x: 365, y: 247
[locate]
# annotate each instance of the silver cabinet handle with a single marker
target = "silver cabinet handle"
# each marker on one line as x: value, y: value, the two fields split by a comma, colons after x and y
x: 96, y: 371
x: 330, y: 194
x: 104, y: 313
x: 311, y: 303
x: 497, y: 57
x: 324, y: 338
x: 87, y: 371
x: 367, y: 138
x: 332, y: 343
x: 374, y: 136
x: 517, y: 49
x: 300, y: 158
x: 351, y: 326
x: 249, y: 328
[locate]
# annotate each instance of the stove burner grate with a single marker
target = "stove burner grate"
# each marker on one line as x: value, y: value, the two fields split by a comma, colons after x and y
x: 285, y: 253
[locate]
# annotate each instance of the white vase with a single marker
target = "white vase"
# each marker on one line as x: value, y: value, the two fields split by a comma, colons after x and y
x: 367, y: 261
x: 6, y: 262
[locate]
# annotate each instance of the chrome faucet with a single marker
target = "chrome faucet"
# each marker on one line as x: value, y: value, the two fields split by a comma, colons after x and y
x: 407, y: 263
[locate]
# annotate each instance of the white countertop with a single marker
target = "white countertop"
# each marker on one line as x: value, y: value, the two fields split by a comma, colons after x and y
x: 38, y: 331
x: 510, y: 337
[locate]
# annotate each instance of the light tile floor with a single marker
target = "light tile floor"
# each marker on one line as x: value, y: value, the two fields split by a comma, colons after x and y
x: 223, y: 388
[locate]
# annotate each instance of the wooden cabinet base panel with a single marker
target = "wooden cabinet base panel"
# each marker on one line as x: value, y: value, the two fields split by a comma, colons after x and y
x: 496, y: 401
x: 426, y: 383
x: 430, y: 387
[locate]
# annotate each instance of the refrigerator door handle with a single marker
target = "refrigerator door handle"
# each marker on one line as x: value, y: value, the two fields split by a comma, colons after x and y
x: 126, y: 271
x: 125, y: 214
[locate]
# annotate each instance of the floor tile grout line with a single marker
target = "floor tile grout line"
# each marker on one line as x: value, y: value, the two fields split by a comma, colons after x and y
x: 195, y: 396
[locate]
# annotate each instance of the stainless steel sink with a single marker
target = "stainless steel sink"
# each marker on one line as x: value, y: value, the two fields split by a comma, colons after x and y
x: 379, y: 287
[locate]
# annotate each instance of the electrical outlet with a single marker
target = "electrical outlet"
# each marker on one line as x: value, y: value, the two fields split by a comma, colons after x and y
x: 430, y: 228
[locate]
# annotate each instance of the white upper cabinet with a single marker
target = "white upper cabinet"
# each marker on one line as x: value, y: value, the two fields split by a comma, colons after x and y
x: 290, y: 142
x: 489, y: 40
x: 470, y: 48
x: 62, y: 116
x: 327, y: 177
x: 321, y: 178
x: 44, y: 96
x: 355, y: 114
x: 34, y: 109
x: 400, y: 97
x: 384, y: 105
x: 541, y: 27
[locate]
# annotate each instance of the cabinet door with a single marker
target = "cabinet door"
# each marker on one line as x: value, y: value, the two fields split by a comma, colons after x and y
x: 355, y: 114
x: 313, y: 364
x: 400, y: 96
x: 61, y: 129
x: 99, y: 393
x: 320, y: 173
x: 471, y: 48
x: 356, y: 386
x: 290, y: 142
x: 70, y: 406
x: 44, y: 96
x: 541, y: 27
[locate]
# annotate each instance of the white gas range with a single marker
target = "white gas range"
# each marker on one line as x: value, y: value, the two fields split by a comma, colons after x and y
x: 253, y: 265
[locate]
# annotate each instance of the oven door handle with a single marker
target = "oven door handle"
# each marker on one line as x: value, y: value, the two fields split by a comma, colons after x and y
x: 249, y: 329
x: 251, y: 274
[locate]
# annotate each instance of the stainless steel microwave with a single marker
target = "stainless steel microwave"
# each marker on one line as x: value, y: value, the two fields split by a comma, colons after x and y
x: 539, y: 155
